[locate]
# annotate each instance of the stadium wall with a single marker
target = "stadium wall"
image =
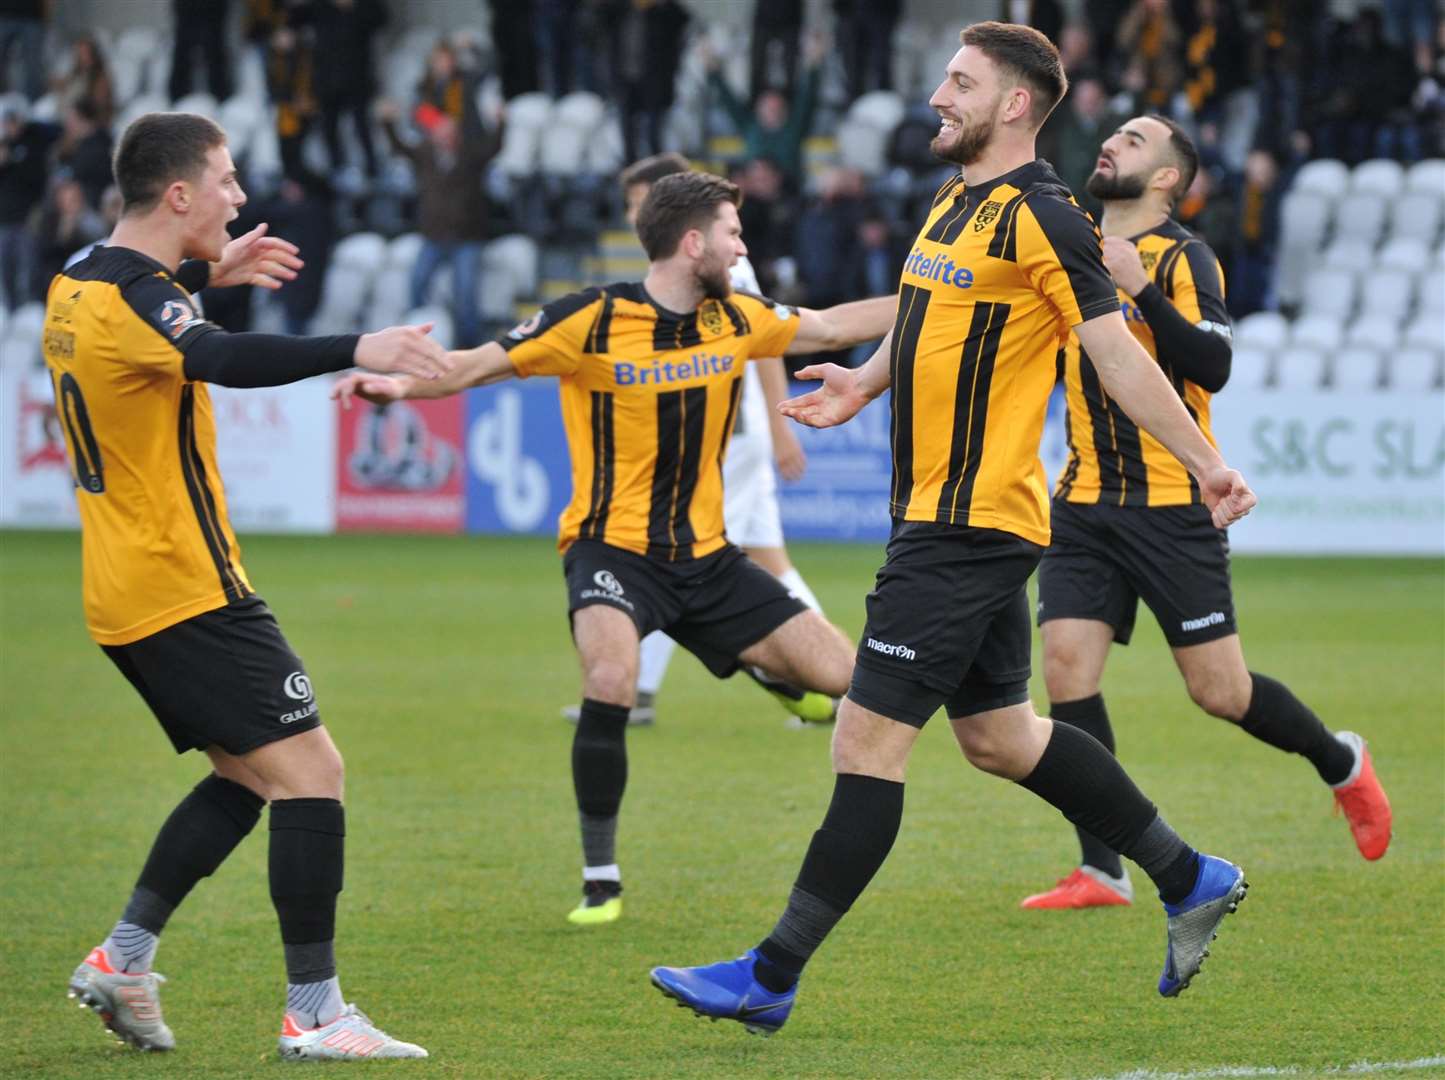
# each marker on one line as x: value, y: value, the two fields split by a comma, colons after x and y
x: 1336, y: 473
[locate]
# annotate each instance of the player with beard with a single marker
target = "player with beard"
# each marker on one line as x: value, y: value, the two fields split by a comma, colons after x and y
x: 651, y: 375
x: 1129, y: 522
x: 1005, y: 265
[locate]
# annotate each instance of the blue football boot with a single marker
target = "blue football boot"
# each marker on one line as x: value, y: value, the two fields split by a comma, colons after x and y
x: 1194, y: 921
x: 727, y: 991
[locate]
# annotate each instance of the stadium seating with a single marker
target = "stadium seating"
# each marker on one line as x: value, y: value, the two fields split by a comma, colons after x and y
x: 439, y: 317
x: 1320, y: 331
x: 1263, y: 330
x: 1403, y: 253
x: 363, y: 251
x: 1348, y: 253
x: 1329, y: 290
x: 1387, y: 294
x: 1414, y: 369
x: 1381, y: 177
x: 1355, y: 370
x: 1427, y: 177
x: 1250, y: 368
x: 1325, y: 177
x: 1299, y: 368
x: 1416, y: 215
x: 1425, y: 331
x: 1373, y: 331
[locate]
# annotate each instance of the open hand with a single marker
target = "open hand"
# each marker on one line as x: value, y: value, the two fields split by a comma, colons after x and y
x: 377, y: 389
x: 404, y: 350
x: 257, y: 259
x: 835, y: 402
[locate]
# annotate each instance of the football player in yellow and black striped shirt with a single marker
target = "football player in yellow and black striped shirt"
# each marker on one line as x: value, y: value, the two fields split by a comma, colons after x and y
x: 1129, y: 521
x: 651, y: 375
x: 1006, y: 264
x: 165, y: 594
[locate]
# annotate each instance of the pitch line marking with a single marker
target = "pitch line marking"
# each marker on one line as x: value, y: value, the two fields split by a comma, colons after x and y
x: 1242, y: 1072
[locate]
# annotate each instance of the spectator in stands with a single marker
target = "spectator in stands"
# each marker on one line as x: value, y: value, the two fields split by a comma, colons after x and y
x: 451, y: 208
x: 773, y: 128
x: 65, y: 223
x: 341, y: 68
x: 200, y: 25
x: 111, y: 204
x: 1257, y: 201
x: 450, y: 85
x: 302, y: 210
x: 1216, y: 57
x: 86, y: 78
x: 767, y: 215
x: 288, y: 80
x: 1076, y: 51
x: 1149, y: 36
x: 22, y: 31
x: 84, y: 151
x: 515, y: 39
x: 1045, y: 16
x: 1413, y: 25
x: 1071, y: 137
x: 645, y: 47
x: 825, y: 244
x: 777, y: 29
x: 1364, y: 95
x: 24, y: 151
x: 864, y: 30
x: 1207, y: 209
x: 564, y: 31
x: 878, y: 260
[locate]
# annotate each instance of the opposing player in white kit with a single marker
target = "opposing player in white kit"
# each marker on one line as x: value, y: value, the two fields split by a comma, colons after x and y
x: 750, y: 487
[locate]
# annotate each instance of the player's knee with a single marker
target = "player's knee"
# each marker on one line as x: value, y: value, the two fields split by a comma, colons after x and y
x: 1065, y: 671
x: 610, y: 681
x: 1219, y: 698
x: 991, y: 749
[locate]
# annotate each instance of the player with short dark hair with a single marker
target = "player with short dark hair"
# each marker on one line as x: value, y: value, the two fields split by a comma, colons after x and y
x: 760, y: 436
x: 1006, y: 263
x: 651, y: 375
x: 165, y: 594
x: 1129, y: 522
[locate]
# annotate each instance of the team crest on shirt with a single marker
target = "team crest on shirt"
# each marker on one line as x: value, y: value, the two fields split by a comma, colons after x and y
x: 710, y: 316
x: 526, y: 329
x: 1148, y: 258
x: 987, y: 215
x: 175, y: 317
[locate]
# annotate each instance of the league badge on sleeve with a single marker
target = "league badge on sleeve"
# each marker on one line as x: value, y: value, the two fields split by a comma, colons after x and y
x: 527, y: 329
x: 175, y: 317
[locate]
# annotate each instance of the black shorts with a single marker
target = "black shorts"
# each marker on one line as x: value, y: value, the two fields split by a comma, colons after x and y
x: 714, y: 606
x: 224, y: 678
x: 948, y: 624
x: 1105, y: 558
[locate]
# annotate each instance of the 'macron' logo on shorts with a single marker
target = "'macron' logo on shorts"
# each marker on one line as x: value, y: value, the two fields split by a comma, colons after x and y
x: 887, y: 648
x: 1214, y: 618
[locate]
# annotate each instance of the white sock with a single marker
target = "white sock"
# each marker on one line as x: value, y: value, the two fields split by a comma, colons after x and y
x: 611, y: 872
x: 1357, y: 744
x: 653, y: 658
x: 131, y: 949
x: 799, y: 588
x: 315, y: 1004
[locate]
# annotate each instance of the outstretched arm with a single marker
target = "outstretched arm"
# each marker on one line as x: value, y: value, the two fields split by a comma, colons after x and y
x: 1134, y: 380
x: 843, y: 325
x: 787, y: 451
x: 470, y: 367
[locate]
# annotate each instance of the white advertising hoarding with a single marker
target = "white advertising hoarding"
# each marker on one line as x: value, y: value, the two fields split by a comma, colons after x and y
x: 1337, y: 473
x: 276, y: 448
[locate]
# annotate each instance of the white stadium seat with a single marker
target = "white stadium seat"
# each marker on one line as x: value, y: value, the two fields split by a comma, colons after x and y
x: 391, y: 297
x: 1414, y: 369
x: 343, y: 296
x: 1265, y: 330
x: 1431, y: 286
x: 199, y: 102
x: 879, y: 108
x: 402, y: 252
x: 1361, y: 219
x: 1380, y: 176
x: 497, y: 297
x: 516, y: 256
x: 1348, y: 254
x: 1329, y: 291
x: 1387, y: 295
x: 1427, y: 176
x: 1304, y: 220
x: 364, y: 251
x: 1403, y: 253
x: 1320, y: 332
x: 1374, y: 331
x: 1297, y: 369
x: 1425, y: 331
x: 1416, y: 215
x: 1325, y: 176
x: 1249, y: 369
x: 1355, y: 370
x: 581, y: 110
x: 439, y: 317
x: 863, y: 147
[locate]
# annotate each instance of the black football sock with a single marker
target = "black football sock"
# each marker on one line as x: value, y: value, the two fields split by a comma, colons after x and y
x: 200, y: 833
x: 307, y: 856
x: 1089, y: 714
x: 1277, y: 717
x: 599, y: 777
x: 1089, y: 787
x: 856, y: 835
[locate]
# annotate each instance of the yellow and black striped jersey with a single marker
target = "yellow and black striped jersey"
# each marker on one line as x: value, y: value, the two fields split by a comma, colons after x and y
x: 1111, y: 459
x: 648, y: 402
x: 156, y: 545
x: 999, y: 274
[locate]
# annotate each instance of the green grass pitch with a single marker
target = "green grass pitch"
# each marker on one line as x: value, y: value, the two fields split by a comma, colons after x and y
x: 440, y: 665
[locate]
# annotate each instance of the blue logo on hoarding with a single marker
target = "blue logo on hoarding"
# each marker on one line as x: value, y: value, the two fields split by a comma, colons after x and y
x: 518, y: 474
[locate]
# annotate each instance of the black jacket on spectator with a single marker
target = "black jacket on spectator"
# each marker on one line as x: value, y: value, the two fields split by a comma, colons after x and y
x: 342, y: 65
x: 89, y: 162
x: 451, y: 205
x: 23, y: 171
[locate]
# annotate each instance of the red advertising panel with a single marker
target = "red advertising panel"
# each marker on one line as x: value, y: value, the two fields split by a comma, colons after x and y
x: 400, y: 468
